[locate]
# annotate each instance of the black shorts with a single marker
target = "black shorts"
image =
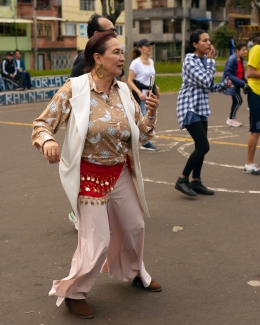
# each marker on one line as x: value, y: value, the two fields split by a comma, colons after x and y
x: 254, y: 115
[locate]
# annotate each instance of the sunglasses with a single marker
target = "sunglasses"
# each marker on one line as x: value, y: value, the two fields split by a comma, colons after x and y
x: 105, y: 30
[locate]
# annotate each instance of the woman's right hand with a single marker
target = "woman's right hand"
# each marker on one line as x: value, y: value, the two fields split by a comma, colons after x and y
x: 51, y: 151
x: 141, y: 96
x: 211, y: 52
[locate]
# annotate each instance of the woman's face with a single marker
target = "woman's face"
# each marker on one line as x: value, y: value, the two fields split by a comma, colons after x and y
x: 242, y: 52
x: 203, y: 46
x: 146, y: 49
x: 113, y: 59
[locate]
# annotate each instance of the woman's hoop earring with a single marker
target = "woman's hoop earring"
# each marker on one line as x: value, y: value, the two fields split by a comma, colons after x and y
x: 100, y: 72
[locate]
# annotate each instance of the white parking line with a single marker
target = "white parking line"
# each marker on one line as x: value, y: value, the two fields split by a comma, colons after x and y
x: 212, y: 188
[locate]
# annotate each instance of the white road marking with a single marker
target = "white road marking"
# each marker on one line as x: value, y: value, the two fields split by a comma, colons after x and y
x: 176, y: 228
x: 212, y: 188
x: 182, y: 151
x: 254, y: 283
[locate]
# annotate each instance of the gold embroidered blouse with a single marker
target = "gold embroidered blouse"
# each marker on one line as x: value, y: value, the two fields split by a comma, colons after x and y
x: 108, y: 137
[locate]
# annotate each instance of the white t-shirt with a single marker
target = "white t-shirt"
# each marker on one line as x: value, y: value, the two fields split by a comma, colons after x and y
x: 142, y: 71
x: 18, y: 64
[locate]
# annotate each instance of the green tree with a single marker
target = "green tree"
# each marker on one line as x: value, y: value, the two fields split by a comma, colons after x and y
x: 221, y: 39
x: 246, y: 4
x: 111, y: 9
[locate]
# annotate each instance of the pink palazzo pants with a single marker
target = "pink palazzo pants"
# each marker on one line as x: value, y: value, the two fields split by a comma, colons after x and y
x: 110, y: 240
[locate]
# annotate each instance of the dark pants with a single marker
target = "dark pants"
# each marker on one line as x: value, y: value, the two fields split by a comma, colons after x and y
x: 254, y: 115
x: 16, y: 81
x: 236, y: 103
x: 198, y: 132
x: 26, y: 79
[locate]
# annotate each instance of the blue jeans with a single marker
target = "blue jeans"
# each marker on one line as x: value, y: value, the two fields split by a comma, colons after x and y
x: 26, y: 79
x: 143, y: 110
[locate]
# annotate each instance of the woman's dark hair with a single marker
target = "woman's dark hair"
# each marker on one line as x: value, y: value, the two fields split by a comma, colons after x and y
x: 97, y: 44
x: 135, y: 53
x: 239, y: 45
x: 93, y: 25
x: 194, y: 38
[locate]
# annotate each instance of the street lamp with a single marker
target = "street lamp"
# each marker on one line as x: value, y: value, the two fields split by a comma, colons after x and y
x: 128, y: 34
x: 35, y: 35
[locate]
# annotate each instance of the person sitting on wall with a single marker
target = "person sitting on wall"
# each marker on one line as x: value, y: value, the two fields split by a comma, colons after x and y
x: 21, y: 70
x: 9, y: 71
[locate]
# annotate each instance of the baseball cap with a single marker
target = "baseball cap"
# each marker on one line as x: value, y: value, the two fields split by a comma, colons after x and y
x: 9, y: 53
x: 143, y: 42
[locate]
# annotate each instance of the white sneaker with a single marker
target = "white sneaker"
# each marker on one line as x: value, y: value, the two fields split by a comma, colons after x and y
x: 251, y: 169
x: 233, y: 123
x: 73, y: 219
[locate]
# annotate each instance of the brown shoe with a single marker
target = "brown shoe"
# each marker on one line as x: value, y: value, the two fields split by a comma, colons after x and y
x: 153, y: 287
x: 79, y: 308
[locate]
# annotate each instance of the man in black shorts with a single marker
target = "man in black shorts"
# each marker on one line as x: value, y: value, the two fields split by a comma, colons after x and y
x: 253, y: 74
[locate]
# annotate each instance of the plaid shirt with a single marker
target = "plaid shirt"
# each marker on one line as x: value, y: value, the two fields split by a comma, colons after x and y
x: 197, y: 82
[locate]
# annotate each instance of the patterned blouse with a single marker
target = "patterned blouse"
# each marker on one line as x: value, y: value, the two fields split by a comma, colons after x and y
x: 108, y: 137
x: 197, y: 82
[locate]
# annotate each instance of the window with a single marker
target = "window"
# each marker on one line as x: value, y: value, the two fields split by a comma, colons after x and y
x: 177, y: 26
x: 171, y: 26
x: 5, y: 3
x: 120, y: 30
x: 145, y: 26
x: 159, y: 3
x: 141, y: 4
x: 45, y: 29
x: 43, y: 4
x: 7, y: 29
x: 88, y: 5
x: 168, y: 26
x: 70, y: 29
x: 195, y: 3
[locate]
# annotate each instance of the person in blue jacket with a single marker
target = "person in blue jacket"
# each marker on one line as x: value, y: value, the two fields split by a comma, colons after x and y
x: 19, y: 62
x: 234, y: 70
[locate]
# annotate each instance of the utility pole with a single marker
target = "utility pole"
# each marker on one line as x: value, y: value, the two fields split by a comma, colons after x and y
x: 35, y: 35
x: 128, y: 34
x: 184, y: 27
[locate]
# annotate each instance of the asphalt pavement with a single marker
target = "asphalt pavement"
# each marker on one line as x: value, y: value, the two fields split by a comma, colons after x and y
x: 209, y: 266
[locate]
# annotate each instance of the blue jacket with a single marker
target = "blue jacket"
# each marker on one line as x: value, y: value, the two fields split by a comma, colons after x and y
x: 22, y: 65
x: 231, y: 72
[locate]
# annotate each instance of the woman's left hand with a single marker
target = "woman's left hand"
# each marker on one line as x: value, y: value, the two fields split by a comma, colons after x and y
x: 152, y: 102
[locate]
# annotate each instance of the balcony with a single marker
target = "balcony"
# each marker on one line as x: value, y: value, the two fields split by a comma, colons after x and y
x: 239, y: 11
x: 66, y: 42
x: 25, y: 9
x: 164, y: 13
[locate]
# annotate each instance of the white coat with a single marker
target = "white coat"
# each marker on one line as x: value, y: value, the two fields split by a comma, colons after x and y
x: 75, y: 135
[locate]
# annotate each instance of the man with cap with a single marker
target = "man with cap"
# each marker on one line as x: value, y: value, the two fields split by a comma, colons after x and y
x: 9, y: 71
x: 96, y: 24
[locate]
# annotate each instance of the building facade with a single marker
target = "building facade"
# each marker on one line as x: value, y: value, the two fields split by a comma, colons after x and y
x: 77, y: 14
x: 14, y: 32
x: 51, y: 49
x: 161, y: 21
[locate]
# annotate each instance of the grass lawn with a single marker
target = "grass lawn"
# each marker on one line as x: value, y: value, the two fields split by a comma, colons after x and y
x: 42, y: 73
x: 172, y: 83
x: 160, y: 67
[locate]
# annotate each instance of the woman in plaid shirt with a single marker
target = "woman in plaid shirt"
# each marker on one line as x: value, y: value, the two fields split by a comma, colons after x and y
x: 193, y: 107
